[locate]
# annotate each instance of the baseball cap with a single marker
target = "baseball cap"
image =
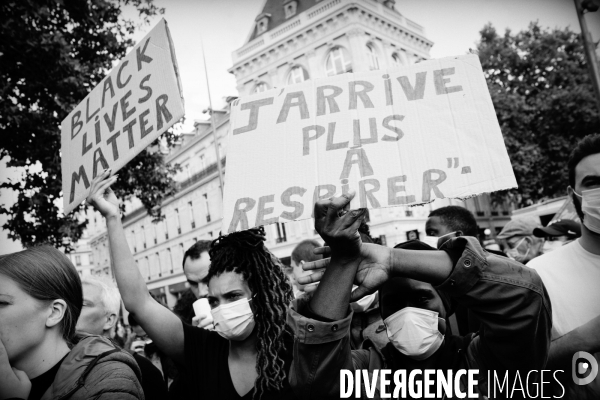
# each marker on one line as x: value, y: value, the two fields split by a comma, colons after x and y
x: 560, y: 227
x: 518, y: 227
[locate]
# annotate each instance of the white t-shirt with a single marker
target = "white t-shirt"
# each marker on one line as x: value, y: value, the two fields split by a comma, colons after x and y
x: 571, y: 275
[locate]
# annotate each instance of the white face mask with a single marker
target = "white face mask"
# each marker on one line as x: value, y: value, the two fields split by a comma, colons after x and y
x: 363, y: 304
x: 414, y: 332
x: 515, y: 254
x: 430, y: 240
x: 234, y: 321
x: 590, y: 205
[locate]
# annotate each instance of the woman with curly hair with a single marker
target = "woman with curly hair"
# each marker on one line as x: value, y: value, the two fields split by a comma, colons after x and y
x: 248, y: 355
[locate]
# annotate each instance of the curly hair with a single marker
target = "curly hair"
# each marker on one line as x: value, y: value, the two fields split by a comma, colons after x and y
x: 245, y: 253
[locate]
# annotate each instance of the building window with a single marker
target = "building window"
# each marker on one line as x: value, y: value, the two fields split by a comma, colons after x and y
x: 262, y: 23
x: 397, y: 60
x: 192, y: 215
x: 134, y: 241
x: 205, y: 195
x: 144, y: 235
x: 290, y: 8
x: 297, y: 75
x: 157, y: 261
x: 177, y: 221
x: 281, y: 234
x: 155, y: 234
x: 170, y: 257
x: 166, y: 229
x: 261, y: 87
x: 338, y: 62
x: 202, y: 162
x: 372, y: 57
x: 91, y: 258
x: 77, y: 260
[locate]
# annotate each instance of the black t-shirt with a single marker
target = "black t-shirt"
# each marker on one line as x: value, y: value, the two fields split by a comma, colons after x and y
x: 206, y: 364
x: 41, y: 383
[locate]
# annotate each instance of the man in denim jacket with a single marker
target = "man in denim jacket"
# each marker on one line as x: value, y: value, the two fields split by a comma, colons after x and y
x: 416, y: 288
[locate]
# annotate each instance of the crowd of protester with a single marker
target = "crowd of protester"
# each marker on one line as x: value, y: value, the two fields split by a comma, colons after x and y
x: 449, y: 301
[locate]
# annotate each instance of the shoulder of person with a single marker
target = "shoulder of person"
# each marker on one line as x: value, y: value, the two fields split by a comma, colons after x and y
x: 556, y: 256
x: 96, y: 365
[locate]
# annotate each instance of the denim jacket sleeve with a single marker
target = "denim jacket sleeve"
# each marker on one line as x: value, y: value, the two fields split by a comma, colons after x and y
x: 321, y: 350
x: 510, y: 301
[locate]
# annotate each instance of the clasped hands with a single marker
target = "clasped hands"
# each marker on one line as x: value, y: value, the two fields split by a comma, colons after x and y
x: 338, y: 227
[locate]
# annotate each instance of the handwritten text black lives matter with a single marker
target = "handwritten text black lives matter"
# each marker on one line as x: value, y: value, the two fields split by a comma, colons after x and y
x: 369, y: 189
x: 134, y: 111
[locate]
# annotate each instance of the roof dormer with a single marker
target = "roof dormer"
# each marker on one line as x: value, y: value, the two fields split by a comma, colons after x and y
x: 262, y: 23
x: 290, y: 7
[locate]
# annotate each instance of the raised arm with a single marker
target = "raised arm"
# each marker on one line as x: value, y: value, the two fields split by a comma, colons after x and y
x: 159, y: 323
x: 332, y: 297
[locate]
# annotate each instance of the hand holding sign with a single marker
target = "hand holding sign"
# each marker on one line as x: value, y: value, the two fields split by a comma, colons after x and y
x: 102, y: 197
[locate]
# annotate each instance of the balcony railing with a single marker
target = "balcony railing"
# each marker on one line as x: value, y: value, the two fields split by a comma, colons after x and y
x: 212, y: 168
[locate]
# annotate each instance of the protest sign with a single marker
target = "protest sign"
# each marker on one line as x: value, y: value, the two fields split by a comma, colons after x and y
x: 398, y: 137
x: 136, y: 102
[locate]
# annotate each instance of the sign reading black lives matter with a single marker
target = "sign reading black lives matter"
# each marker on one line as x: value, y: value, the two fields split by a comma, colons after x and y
x: 398, y: 137
x: 139, y: 100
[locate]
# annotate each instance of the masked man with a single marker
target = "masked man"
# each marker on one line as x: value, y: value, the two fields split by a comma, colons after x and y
x: 571, y: 274
x: 417, y: 290
x: 518, y: 240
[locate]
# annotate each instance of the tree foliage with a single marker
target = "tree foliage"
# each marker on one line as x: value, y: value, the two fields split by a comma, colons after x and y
x: 544, y: 100
x: 52, y: 54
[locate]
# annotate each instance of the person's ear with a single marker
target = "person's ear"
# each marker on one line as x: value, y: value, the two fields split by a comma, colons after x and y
x: 111, y: 320
x: 58, y: 308
x: 459, y: 233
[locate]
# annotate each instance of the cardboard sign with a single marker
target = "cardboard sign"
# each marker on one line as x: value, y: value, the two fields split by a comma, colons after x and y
x: 398, y: 137
x: 138, y: 100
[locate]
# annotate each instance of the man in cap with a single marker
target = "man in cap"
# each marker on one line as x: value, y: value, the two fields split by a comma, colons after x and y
x: 518, y: 241
x: 558, y: 233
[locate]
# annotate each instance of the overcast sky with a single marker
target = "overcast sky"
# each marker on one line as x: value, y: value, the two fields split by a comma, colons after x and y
x: 224, y: 25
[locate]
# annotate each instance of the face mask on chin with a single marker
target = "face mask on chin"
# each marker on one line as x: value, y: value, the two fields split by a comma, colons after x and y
x: 234, y: 321
x: 414, y: 332
x: 363, y: 304
x: 590, y: 206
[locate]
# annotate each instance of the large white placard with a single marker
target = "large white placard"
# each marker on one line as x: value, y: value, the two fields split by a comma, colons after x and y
x: 136, y: 102
x: 398, y: 137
